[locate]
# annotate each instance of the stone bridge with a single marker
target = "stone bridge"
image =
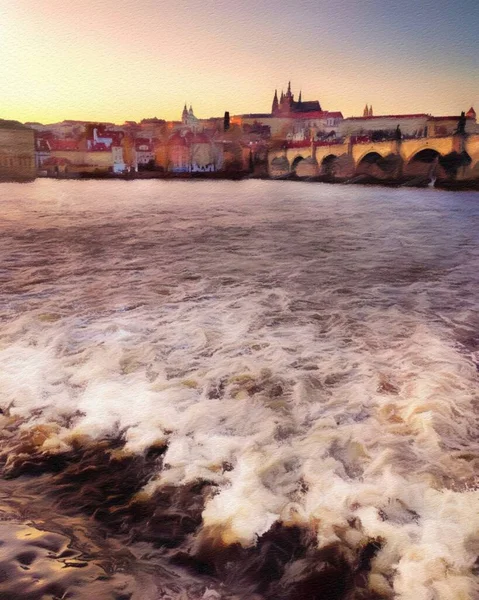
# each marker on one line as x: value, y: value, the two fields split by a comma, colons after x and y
x: 451, y: 157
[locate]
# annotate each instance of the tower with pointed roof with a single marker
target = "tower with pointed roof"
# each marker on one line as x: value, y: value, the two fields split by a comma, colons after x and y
x: 275, y: 106
x: 471, y: 113
x: 287, y: 106
x: 184, y: 115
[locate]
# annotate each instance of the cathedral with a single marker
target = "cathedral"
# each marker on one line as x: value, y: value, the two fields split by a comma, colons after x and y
x: 189, y: 120
x: 287, y: 106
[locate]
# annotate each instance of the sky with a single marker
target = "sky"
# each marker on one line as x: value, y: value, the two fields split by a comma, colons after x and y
x: 117, y: 60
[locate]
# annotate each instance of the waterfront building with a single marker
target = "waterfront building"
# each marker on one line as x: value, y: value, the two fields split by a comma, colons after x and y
x: 118, y: 159
x: 203, y: 154
x: 144, y: 149
x: 17, y: 152
x: 190, y: 152
x: 42, y: 147
x: 178, y: 154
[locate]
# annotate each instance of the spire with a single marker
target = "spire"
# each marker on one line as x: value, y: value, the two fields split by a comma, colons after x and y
x: 370, y: 111
x: 282, y: 96
x: 366, y: 111
x: 299, y: 99
x: 289, y: 88
x: 275, y: 102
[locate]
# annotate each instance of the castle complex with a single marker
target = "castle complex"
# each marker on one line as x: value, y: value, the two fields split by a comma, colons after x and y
x: 287, y: 106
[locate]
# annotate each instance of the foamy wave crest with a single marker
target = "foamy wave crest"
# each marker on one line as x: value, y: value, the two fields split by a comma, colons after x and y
x: 249, y: 410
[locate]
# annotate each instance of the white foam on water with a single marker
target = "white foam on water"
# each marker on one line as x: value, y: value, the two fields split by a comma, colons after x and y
x: 284, y: 351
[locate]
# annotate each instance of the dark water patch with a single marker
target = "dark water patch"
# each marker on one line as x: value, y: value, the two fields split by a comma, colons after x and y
x: 286, y: 564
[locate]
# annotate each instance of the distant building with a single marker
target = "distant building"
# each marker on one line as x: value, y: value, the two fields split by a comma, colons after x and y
x: 287, y: 106
x: 189, y: 152
x: 412, y: 125
x: 17, y: 152
x: 178, y: 156
x: 442, y: 126
x: 292, y: 119
x: 189, y: 120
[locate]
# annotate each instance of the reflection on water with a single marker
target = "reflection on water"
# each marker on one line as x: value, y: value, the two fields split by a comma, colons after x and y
x: 248, y: 390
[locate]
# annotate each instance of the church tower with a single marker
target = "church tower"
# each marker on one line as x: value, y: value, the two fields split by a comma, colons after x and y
x: 366, y: 111
x: 184, y: 115
x: 275, y: 106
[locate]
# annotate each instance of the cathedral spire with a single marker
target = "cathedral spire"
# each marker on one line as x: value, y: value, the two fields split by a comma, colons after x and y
x: 299, y: 99
x: 275, y: 102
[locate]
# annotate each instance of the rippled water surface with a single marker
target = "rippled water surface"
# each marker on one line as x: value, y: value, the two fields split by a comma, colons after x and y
x: 250, y: 390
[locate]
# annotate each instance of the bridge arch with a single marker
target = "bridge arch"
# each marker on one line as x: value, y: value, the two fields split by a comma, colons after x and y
x: 368, y: 165
x: 425, y: 162
x: 279, y: 166
x: 377, y: 153
x: 426, y: 154
x: 329, y: 165
x: 296, y: 162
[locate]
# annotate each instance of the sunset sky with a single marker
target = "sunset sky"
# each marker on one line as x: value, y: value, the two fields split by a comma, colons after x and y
x: 116, y: 60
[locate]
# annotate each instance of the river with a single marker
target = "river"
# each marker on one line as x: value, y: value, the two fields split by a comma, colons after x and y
x: 238, y: 390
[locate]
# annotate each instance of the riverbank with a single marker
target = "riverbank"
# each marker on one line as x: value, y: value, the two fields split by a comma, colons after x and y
x: 361, y: 179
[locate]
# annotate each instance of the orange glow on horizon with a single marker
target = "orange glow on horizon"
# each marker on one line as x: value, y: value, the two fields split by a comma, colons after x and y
x: 107, y: 61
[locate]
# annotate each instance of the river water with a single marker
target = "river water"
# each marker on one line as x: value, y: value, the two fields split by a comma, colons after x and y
x: 238, y: 390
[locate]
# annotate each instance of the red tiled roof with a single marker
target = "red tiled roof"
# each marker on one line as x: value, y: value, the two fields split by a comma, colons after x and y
x: 335, y: 115
x: 57, y: 144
